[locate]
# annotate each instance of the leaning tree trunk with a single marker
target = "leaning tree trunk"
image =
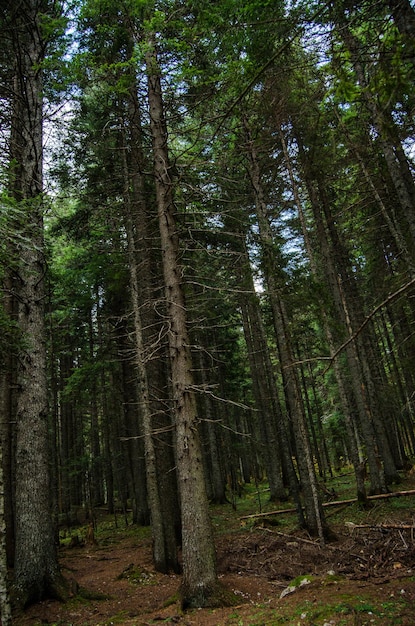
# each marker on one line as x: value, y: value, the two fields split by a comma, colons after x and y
x: 200, y: 583
x: 396, y: 161
x: 36, y: 571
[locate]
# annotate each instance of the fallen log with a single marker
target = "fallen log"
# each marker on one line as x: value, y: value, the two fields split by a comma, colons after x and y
x: 380, y: 496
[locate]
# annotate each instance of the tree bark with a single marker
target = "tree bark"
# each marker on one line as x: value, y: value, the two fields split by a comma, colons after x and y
x: 37, y: 573
x: 200, y: 583
x: 314, y: 514
x: 5, y: 606
x: 343, y: 394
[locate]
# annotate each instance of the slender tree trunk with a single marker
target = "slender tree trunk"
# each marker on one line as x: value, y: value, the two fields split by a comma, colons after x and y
x: 344, y: 396
x: 213, y: 457
x: 160, y: 473
x: 95, y: 469
x: 264, y: 383
x: 389, y: 214
x: 314, y: 513
x: 200, y: 583
x: 159, y: 555
x: 396, y: 161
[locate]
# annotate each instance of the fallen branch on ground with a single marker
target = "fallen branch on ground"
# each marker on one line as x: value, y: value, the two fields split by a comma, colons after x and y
x: 380, y: 496
x: 353, y: 526
x: 292, y: 538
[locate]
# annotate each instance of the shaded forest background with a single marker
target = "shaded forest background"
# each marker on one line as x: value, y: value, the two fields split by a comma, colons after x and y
x: 215, y: 235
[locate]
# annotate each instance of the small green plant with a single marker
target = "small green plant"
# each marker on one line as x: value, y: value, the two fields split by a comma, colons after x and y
x: 119, y: 618
x: 137, y: 575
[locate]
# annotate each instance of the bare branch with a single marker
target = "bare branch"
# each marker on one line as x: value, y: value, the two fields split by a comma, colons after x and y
x: 352, y: 337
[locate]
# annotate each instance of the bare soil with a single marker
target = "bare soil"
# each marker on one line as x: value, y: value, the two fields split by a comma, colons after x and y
x: 365, y: 576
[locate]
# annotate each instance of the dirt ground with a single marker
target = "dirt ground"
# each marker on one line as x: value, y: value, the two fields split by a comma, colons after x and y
x: 366, y: 576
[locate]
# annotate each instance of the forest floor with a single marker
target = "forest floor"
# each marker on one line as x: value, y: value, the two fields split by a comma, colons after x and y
x: 278, y: 574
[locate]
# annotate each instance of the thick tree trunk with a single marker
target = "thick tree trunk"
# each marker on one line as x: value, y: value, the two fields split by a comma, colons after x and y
x: 5, y: 607
x: 7, y: 409
x: 36, y: 566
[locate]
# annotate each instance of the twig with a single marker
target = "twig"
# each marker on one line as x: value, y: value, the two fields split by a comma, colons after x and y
x: 317, y: 544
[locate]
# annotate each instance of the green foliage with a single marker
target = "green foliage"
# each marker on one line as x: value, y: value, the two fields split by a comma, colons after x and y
x: 227, y: 69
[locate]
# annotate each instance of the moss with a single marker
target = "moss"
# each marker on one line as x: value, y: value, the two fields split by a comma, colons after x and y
x: 171, y: 600
x: 88, y: 594
x: 138, y: 576
x: 301, y: 580
x: 207, y: 597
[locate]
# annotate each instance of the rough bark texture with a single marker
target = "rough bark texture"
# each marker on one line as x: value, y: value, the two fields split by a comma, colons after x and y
x: 7, y: 400
x: 199, y: 583
x: 36, y: 567
x: 5, y: 608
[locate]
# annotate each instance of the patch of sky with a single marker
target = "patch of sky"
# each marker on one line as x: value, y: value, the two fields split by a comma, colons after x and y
x: 215, y: 221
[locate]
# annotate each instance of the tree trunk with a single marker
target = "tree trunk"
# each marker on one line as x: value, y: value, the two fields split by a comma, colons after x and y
x: 8, y: 387
x: 148, y: 333
x: 37, y: 572
x: 264, y: 384
x: 213, y: 457
x: 200, y: 583
x: 5, y: 608
x: 395, y: 159
x: 344, y: 396
x: 314, y: 513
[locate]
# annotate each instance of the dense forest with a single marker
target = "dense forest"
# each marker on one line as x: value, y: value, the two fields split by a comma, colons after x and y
x: 207, y: 262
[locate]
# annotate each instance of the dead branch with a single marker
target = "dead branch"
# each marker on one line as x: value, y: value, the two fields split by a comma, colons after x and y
x: 380, y: 496
x: 353, y: 526
x: 352, y: 337
x: 292, y: 537
x: 391, y: 297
